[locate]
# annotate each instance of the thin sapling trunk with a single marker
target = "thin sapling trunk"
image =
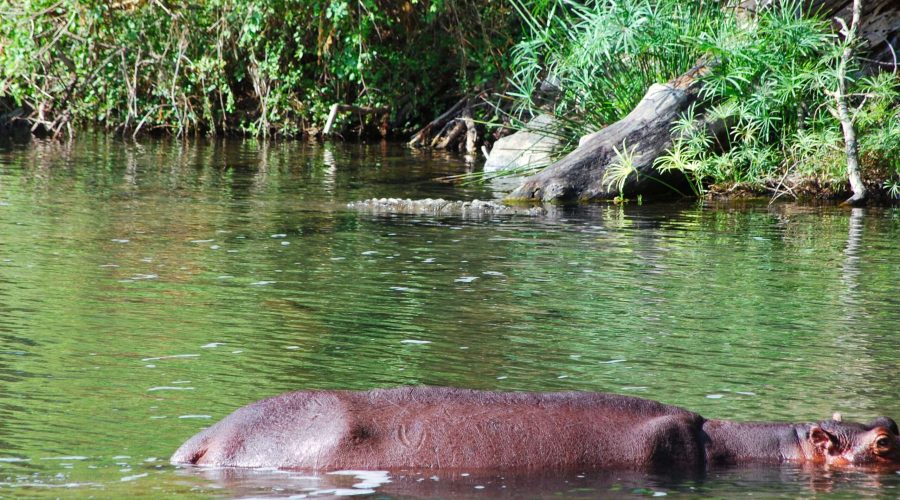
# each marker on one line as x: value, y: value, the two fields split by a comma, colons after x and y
x: 840, y: 96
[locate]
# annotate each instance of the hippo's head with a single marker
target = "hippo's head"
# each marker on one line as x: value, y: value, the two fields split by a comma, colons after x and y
x: 847, y: 443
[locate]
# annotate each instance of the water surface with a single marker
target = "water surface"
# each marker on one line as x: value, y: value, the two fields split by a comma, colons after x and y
x: 149, y: 290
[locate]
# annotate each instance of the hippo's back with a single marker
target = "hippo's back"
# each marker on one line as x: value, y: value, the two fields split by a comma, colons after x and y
x: 432, y: 427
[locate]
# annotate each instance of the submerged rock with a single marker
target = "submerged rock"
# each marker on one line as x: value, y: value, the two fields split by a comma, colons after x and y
x: 441, y: 206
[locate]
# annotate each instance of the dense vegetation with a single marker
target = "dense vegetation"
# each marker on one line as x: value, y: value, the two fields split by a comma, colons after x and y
x: 262, y: 67
x: 273, y: 67
x: 602, y: 56
x: 771, y: 79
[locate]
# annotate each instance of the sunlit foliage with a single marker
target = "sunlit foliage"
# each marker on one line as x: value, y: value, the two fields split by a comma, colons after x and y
x: 768, y: 86
x: 258, y: 66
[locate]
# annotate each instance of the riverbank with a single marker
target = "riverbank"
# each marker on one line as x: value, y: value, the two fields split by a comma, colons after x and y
x: 254, y: 68
x: 688, y: 96
x: 810, y: 191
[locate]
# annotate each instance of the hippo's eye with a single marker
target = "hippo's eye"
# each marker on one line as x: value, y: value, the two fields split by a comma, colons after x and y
x: 883, y: 444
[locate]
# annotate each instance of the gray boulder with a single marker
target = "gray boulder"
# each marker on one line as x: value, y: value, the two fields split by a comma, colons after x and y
x: 532, y: 146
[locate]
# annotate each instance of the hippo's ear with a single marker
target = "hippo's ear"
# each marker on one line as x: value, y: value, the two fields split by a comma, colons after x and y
x: 822, y: 440
x: 887, y: 423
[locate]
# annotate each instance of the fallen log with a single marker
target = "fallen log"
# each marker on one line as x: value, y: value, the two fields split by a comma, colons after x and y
x: 645, y: 134
x: 423, y: 136
x: 453, y: 136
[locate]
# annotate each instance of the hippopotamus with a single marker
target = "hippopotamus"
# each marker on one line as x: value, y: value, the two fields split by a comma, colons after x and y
x: 448, y: 428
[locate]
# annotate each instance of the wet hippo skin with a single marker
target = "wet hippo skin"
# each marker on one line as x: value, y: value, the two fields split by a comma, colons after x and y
x: 432, y: 427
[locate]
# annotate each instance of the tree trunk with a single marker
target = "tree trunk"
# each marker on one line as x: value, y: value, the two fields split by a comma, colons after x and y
x: 645, y: 132
x: 840, y: 97
x: 851, y: 149
x: 471, y: 131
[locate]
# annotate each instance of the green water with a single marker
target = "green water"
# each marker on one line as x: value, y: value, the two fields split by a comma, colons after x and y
x: 149, y: 290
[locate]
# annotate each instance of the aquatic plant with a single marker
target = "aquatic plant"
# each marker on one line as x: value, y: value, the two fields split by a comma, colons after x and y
x: 600, y: 56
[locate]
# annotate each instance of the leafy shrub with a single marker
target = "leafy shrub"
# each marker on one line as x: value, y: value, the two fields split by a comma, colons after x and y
x: 772, y: 85
x: 769, y: 83
x: 257, y: 66
x: 604, y: 54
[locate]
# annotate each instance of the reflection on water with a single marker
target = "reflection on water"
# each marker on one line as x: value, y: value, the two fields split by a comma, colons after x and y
x: 148, y: 290
x: 763, y: 482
